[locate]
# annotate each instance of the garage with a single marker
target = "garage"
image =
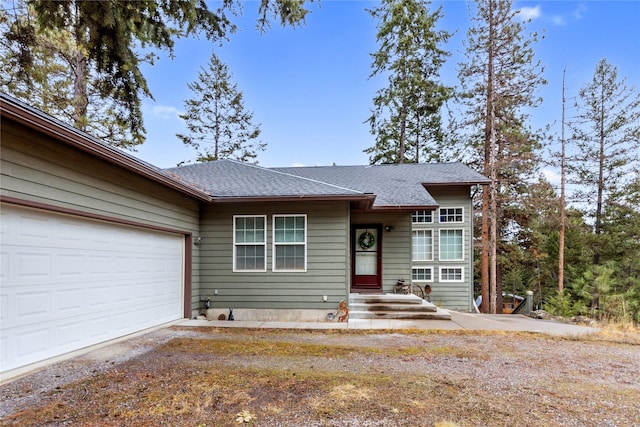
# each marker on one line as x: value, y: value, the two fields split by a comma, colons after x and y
x: 68, y: 282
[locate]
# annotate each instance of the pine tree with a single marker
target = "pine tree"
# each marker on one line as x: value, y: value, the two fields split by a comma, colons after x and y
x: 61, y: 82
x: 606, y: 132
x: 406, y: 118
x: 500, y: 82
x: 105, y: 38
x: 562, y: 201
x: 219, y: 126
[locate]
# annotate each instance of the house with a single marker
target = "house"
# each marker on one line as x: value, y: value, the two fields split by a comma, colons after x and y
x: 97, y: 244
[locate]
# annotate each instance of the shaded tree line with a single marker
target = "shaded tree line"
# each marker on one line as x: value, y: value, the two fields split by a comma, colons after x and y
x: 80, y: 61
x: 521, y: 240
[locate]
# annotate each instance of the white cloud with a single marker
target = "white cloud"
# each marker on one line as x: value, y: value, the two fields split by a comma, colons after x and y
x: 578, y: 13
x: 552, y: 176
x: 575, y: 15
x: 166, y: 111
x: 527, y: 13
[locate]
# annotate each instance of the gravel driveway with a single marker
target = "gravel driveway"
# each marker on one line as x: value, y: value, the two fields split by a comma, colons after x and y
x: 216, y: 377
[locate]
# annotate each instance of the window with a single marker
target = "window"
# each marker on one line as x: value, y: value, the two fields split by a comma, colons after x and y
x: 422, y: 274
x: 451, y: 274
x: 451, y: 245
x: 422, y: 244
x: 289, y: 243
x: 421, y: 217
x: 451, y: 215
x: 249, y: 243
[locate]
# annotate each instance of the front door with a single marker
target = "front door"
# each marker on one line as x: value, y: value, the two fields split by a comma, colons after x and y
x: 366, y: 256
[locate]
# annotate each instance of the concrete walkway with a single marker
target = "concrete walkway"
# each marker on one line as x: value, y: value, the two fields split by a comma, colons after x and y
x: 459, y: 321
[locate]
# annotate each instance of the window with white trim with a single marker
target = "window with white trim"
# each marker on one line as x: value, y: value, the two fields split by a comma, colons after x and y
x: 422, y: 245
x: 249, y: 243
x: 451, y: 215
x: 422, y: 217
x: 451, y: 274
x: 422, y: 274
x: 289, y: 243
x: 451, y: 245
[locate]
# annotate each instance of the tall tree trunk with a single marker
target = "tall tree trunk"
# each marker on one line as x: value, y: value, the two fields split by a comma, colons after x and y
x: 562, y: 198
x: 217, y: 132
x: 403, y: 130
x: 484, y: 250
x: 80, y: 97
x: 489, y: 203
x: 601, y: 183
x: 493, y: 225
x: 499, y: 301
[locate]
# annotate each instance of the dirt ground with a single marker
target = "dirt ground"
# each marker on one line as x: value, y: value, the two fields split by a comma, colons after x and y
x: 185, y: 376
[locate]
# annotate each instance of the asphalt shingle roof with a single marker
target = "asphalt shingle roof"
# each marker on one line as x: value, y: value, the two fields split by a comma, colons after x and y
x: 394, y: 186
x: 229, y: 178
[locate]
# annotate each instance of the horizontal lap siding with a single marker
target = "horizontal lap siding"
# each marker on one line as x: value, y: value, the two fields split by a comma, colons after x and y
x: 452, y: 295
x: 39, y: 169
x: 327, y: 259
x: 49, y: 172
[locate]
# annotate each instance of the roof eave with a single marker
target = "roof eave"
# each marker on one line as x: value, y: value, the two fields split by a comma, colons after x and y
x: 403, y: 208
x: 365, y: 199
x: 456, y: 183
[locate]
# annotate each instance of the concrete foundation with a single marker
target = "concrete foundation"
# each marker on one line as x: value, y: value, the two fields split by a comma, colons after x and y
x: 266, y: 315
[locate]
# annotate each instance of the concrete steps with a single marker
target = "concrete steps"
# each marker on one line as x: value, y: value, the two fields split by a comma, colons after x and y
x: 394, y: 306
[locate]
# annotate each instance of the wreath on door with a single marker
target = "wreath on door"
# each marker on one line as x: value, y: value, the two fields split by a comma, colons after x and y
x: 366, y: 240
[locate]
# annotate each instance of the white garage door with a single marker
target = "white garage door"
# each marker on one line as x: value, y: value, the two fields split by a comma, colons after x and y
x: 69, y: 282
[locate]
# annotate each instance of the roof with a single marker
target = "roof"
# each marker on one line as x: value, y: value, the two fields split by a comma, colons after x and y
x: 383, y: 186
x: 231, y: 181
x: 396, y: 185
x: 15, y: 110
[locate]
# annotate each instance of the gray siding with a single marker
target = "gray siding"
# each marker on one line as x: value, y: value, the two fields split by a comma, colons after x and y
x: 452, y: 295
x: 327, y: 258
x: 40, y: 169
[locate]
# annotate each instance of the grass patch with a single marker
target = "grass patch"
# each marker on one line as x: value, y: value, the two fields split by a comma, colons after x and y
x: 258, y: 347
x: 283, y: 349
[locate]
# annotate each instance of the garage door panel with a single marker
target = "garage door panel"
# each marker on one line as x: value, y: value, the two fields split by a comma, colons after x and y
x: 4, y: 265
x: 69, y: 334
x: 33, y: 229
x: 69, y: 282
x: 70, y: 265
x: 33, y: 265
x: 33, y: 306
x: 33, y: 341
x: 70, y: 302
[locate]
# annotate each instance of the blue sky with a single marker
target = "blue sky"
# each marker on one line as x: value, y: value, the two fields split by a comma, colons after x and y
x: 309, y: 87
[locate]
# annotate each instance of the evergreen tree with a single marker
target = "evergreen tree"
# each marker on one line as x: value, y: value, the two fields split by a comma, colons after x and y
x: 619, y: 243
x: 105, y: 38
x: 219, y: 126
x: 62, y: 83
x: 406, y: 119
x: 500, y: 81
x: 606, y: 132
